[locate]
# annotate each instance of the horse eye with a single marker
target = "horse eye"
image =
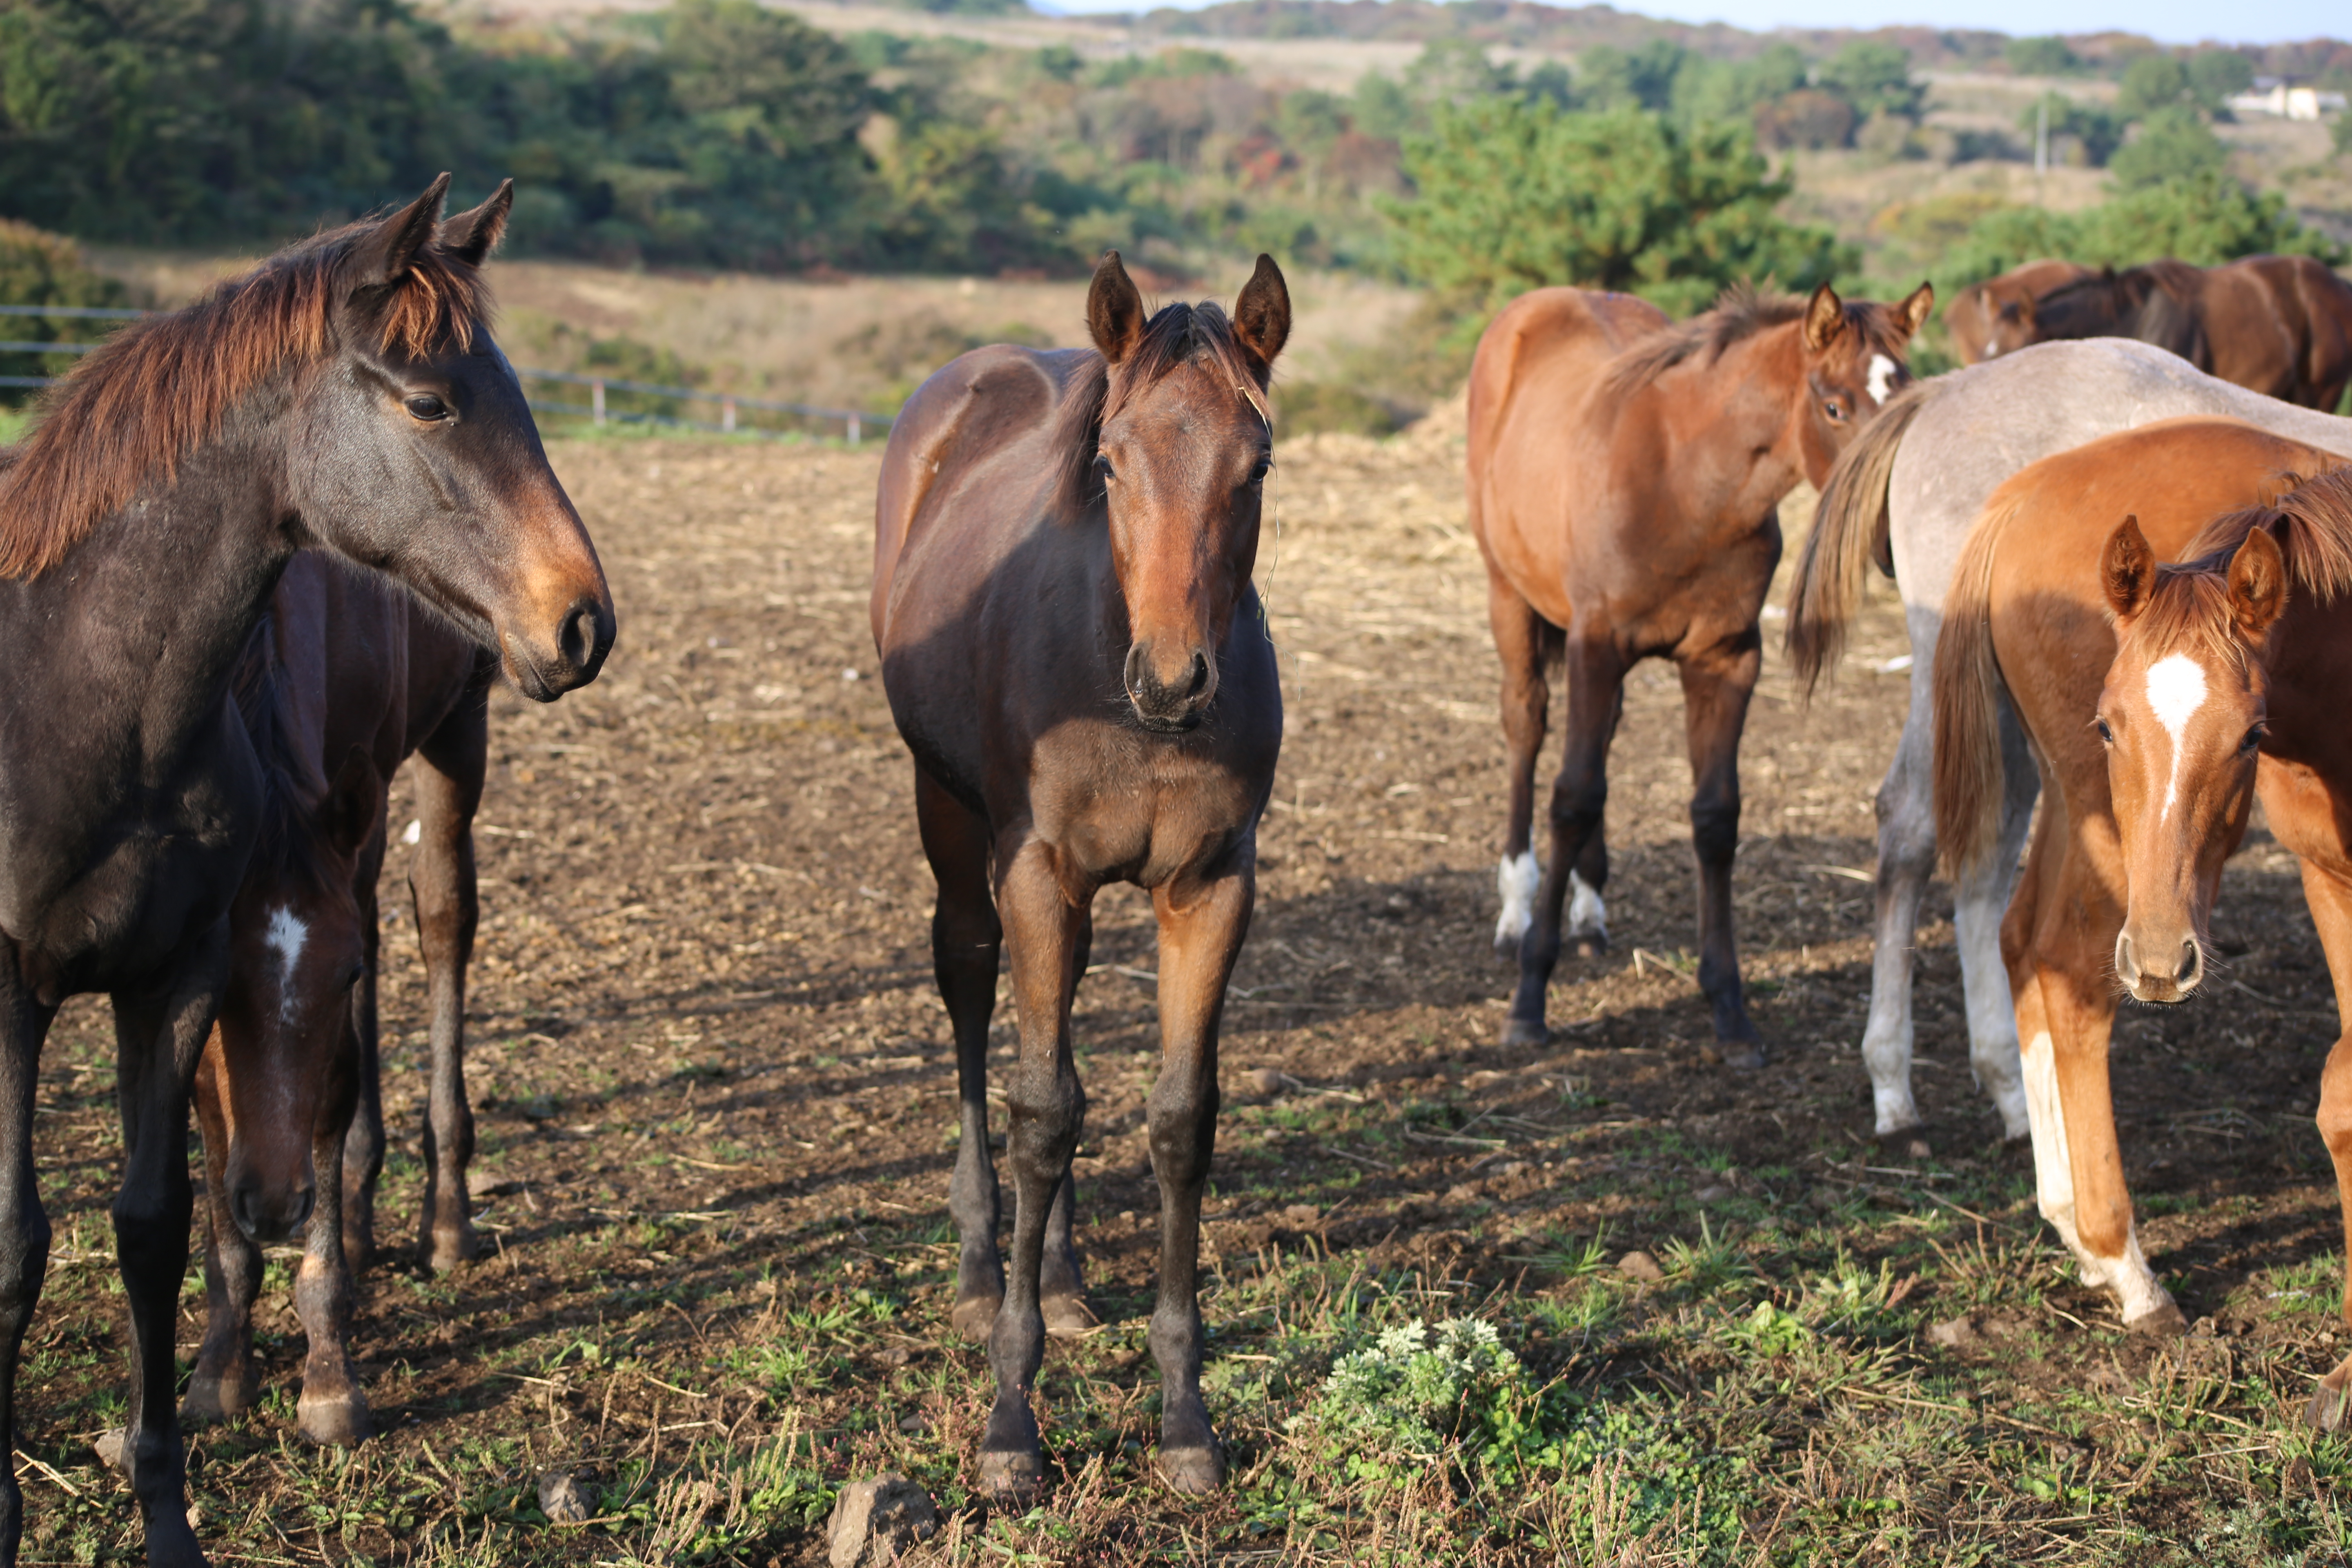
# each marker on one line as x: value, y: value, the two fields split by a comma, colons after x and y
x: 353, y: 978
x: 2254, y: 740
x: 2105, y: 734
x: 1834, y: 409
x: 427, y: 406
x: 1103, y: 469
x: 1265, y: 467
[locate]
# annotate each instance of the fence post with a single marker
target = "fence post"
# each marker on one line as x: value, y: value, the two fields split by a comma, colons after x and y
x: 596, y: 399
x: 727, y: 415
x: 853, y: 430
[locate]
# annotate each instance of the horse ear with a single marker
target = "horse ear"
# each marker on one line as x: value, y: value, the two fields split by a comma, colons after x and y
x: 1114, y: 310
x: 382, y: 256
x: 2127, y: 569
x: 1262, y: 313
x: 1824, y: 318
x: 354, y: 802
x: 2257, y: 584
x: 1915, y: 309
x: 472, y: 236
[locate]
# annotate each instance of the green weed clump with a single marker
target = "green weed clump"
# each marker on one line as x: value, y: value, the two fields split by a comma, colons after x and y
x: 1401, y: 1403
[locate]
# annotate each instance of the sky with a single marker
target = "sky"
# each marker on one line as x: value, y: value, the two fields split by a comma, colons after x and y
x: 2171, y: 21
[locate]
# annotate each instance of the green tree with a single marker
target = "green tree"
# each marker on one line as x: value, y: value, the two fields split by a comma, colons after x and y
x: 1514, y: 196
x: 2098, y: 131
x: 2216, y: 75
x: 2041, y: 57
x: 2174, y: 146
x: 1643, y: 77
x: 2152, y: 82
x: 42, y: 268
x: 1876, y: 78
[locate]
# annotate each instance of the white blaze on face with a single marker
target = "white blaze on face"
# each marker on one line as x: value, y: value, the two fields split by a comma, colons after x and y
x: 285, y: 937
x: 1882, y: 377
x: 1992, y: 348
x: 2176, y: 689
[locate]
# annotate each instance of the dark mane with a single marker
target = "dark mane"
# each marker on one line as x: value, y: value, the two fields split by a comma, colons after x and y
x: 1740, y: 313
x: 128, y: 413
x: 291, y: 848
x: 2312, y: 525
x: 1176, y: 335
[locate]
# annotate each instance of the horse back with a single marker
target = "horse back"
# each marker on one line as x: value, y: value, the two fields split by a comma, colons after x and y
x: 978, y: 406
x: 1537, y: 364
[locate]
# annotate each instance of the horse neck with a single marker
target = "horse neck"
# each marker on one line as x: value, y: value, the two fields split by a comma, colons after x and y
x: 1736, y: 452
x: 135, y: 632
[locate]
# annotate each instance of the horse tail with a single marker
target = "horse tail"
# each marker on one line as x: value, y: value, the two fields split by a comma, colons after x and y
x: 1850, y: 532
x: 1969, y: 778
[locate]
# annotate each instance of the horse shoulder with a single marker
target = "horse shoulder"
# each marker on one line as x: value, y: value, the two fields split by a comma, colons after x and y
x: 967, y: 411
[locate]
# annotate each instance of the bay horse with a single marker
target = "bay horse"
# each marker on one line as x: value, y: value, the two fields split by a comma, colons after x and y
x: 1904, y: 496
x: 1991, y: 318
x: 2279, y: 325
x: 2160, y: 702
x: 343, y: 680
x: 346, y: 394
x: 1077, y: 659
x: 1624, y: 482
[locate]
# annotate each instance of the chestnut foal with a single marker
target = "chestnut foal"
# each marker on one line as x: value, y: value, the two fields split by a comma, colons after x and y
x: 1077, y: 659
x: 342, y: 680
x: 1625, y: 477
x: 2205, y: 685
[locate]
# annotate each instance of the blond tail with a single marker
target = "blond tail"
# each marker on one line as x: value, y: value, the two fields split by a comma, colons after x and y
x: 1968, y: 771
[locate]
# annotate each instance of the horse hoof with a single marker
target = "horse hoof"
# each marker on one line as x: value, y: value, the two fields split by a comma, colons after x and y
x: 337, y: 1421
x: 1192, y: 1471
x: 446, y: 1254
x: 2164, y: 1323
x: 214, y: 1399
x: 170, y: 1542
x: 1526, y: 1032
x: 1740, y: 1056
x: 1507, y: 950
x: 974, y: 1316
x: 2326, y: 1411
x: 1010, y: 1478
x: 1589, y: 945
x: 1069, y: 1317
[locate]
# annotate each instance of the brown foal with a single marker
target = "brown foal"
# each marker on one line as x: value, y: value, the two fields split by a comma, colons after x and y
x: 1996, y: 317
x: 2161, y: 701
x: 1625, y: 477
x: 1077, y: 659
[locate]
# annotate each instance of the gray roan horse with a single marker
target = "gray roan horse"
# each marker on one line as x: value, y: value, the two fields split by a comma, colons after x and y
x: 1080, y: 666
x: 345, y: 393
x: 1907, y: 491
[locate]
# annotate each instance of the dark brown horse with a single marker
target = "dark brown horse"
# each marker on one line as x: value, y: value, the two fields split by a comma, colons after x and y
x: 342, y: 681
x: 1625, y: 477
x: 1992, y: 318
x: 347, y: 394
x: 1077, y: 658
x: 2280, y: 325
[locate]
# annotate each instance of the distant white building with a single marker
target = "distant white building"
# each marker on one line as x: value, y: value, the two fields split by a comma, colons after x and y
x: 2273, y: 97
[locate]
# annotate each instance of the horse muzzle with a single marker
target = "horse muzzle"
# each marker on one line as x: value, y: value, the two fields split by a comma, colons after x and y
x: 268, y: 1212
x: 1169, y: 701
x: 2164, y: 971
x: 570, y: 659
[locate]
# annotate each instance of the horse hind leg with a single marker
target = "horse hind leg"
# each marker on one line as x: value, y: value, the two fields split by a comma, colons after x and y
x: 1716, y: 691
x: 24, y: 1225
x: 1906, y: 857
x: 1525, y: 642
x: 1978, y: 903
x: 1587, y: 916
x: 443, y: 882
x: 225, y: 1382
x: 1580, y: 796
x: 966, y: 939
x: 332, y: 1409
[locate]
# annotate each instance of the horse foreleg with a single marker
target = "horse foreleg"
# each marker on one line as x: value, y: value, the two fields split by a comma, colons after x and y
x: 448, y: 777
x: 965, y: 941
x: 1200, y: 932
x: 1580, y: 795
x: 2330, y: 899
x: 2065, y: 1012
x: 225, y: 1382
x: 1523, y: 641
x: 23, y: 1225
x: 159, y: 1036
x: 332, y: 1409
x: 1716, y: 685
x: 354, y: 1201
x: 1047, y: 925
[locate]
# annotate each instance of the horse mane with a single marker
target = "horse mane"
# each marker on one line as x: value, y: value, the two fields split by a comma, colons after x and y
x: 2313, y: 524
x: 291, y: 846
x: 129, y: 412
x: 1176, y: 335
x: 1740, y: 312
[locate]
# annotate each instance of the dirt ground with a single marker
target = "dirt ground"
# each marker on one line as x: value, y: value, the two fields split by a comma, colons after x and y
x: 715, y: 1094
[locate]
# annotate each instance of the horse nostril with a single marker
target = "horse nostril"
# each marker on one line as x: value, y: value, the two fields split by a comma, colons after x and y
x: 1132, y: 673
x: 577, y: 644
x: 2192, y: 961
x: 2124, y: 964
x: 1199, y: 676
